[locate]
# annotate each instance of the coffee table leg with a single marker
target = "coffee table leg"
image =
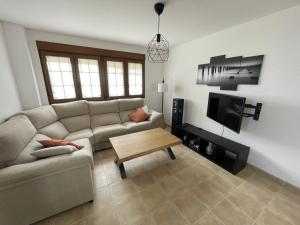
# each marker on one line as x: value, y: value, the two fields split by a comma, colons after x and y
x: 122, y: 171
x: 172, y: 156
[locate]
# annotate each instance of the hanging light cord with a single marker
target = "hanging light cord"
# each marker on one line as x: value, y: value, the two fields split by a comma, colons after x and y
x: 158, y: 24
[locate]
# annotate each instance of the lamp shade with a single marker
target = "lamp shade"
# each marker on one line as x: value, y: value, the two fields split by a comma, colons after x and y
x: 161, y: 87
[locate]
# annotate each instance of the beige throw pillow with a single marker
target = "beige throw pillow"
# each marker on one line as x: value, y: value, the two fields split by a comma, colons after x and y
x: 53, y: 151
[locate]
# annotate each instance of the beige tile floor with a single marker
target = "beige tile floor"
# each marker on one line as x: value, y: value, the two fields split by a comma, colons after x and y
x: 187, y: 191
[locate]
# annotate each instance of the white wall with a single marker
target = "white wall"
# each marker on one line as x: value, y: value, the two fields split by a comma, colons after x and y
x: 154, y: 72
x: 9, y: 97
x: 274, y: 139
x: 18, y: 51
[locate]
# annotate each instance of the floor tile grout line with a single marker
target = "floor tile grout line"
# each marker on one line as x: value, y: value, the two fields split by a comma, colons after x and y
x: 283, y: 199
x: 219, y: 219
x: 245, y: 181
x: 225, y: 197
x: 267, y: 205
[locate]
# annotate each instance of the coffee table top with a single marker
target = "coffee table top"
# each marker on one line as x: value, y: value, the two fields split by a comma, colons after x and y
x: 133, y: 145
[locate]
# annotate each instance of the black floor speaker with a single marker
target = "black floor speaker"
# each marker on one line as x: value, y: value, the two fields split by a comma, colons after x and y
x: 177, y: 114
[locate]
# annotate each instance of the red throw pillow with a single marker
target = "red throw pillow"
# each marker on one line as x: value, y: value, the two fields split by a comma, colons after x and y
x: 139, y: 115
x: 58, y: 142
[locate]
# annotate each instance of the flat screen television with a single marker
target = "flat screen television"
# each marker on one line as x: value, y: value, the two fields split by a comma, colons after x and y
x: 226, y: 110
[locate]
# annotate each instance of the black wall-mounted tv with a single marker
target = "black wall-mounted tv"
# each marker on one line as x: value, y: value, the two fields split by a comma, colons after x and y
x: 226, y: 109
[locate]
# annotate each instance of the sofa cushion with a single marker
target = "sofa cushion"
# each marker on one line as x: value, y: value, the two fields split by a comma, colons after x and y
x: 44, y: 167
x: 103, y: 133
x: 124, y: 115
x: 15, y: 134
x: 155, y: 116
x: 42, y: 116
x: 130, y: 104
x: 103, y: 107
x: 55, y: 130
x: 73, y: 115
x: 85, y: 133
x: 136, y: 127
x: 105, y: 119
x: 25, y: 156
x: 71, y: 109
x: 76, y: 123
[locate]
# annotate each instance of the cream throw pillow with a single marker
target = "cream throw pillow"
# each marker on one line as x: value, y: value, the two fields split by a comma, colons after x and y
x: 53, y: 151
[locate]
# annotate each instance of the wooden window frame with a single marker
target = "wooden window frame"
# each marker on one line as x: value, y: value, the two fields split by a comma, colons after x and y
x: 125, y: 77
x: 102, y: 55
x: 101, y: 76
x: 47, y: 76
x: 143, y: 75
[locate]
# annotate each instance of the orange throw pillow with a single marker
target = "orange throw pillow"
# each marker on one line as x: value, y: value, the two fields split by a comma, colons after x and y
x: 58, y: 142
x: 139, y: 115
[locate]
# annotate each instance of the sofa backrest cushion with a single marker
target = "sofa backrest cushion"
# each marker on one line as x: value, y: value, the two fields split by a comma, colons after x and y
x: 124, y: 115
x: 73, y: 115
x: 55, y: 130
x: 42, y: 116
x: 105, y: 119
x: 71, y: 109
x: 103, y: 107
x: 33, y: 145
x: 15, y: 134
x: 77, y: 123
x: 130, y: 104
x: 104, y: 113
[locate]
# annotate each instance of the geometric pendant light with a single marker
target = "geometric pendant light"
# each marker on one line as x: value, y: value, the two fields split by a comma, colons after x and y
x: 158, y: 47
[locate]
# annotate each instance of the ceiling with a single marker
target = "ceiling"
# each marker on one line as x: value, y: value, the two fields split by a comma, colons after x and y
x: 134, y: 21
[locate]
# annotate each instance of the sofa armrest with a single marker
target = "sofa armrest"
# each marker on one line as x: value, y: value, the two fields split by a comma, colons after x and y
x: 20, y: 173
x: 155, y: 115
x: 157, y: 119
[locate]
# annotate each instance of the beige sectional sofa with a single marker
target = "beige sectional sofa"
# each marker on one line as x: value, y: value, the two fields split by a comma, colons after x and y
x: 32, y: 189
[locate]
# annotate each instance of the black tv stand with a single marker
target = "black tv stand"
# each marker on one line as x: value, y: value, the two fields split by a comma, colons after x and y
x: 226, y: 153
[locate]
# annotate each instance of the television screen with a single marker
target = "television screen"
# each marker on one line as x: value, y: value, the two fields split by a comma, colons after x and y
x: 226, y: 109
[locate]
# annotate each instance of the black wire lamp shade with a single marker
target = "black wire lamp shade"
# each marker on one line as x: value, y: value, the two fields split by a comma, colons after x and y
x: 158, y: 47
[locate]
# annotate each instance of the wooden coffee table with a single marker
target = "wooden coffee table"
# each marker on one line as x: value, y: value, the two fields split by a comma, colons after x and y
x: 130, y: 146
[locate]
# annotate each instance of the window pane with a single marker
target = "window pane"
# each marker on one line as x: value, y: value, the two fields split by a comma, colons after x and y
x: 58, y: 92
x: 85, y: 79
x: 69, y: 92
x: 113, y: 91
x: 95, y: 79
x: 135, y: 73
x: 139, y: 79
x: 96, y: 91
x: 55, y: 78
x: 86, y: 91
x: 89, y: 78
x: 53, y: 63
x: 119, y: 79
x: 65, y: 64
x: 119, y: 67
x: 131, y: 79
x: 111, y: 67
x: 138, y: 90
x: 61, y: 77
x: 94, y: 66
x: 67, y: 78
x: 115, y: 73
x: 83, y: 66
x: 138, y: 68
